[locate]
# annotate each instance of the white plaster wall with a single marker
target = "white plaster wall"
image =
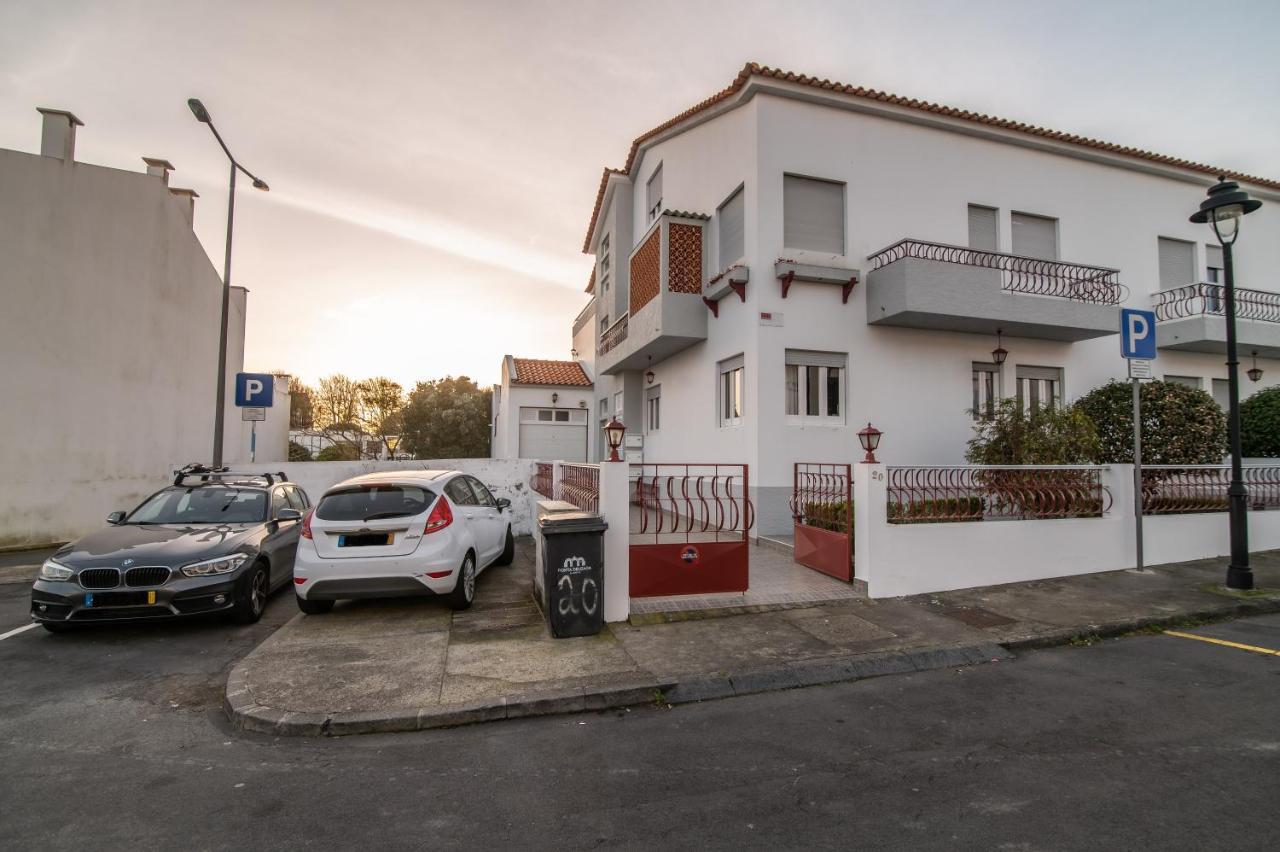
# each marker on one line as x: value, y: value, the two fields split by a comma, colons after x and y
x: 108, y: 338
x: 514, y: 397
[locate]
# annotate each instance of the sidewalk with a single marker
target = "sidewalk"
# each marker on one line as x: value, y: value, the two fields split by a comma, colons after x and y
x: 412, y: 664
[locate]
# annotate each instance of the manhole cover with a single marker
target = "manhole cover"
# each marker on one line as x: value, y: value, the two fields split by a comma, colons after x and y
x: 976, y: 616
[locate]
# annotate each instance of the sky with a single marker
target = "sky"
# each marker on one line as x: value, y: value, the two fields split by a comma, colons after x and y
x: 433, y: 165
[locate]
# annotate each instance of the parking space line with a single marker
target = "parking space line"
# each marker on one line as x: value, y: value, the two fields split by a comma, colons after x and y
x: 18, y: 630
x: 1210, y: 639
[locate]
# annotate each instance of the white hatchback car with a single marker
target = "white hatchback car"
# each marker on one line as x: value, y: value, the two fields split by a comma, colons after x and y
x: 399, y: 534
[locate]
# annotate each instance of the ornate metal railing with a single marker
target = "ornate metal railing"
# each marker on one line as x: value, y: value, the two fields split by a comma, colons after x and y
x: 580, y: 485
x: 822, y: 496
x: 543, y: 481
x: 613, y: 335
x: 1076, y: 281
x: 584, y: 316
x: 1201, y: 299
x: 919, y: 495
x: 1190, y: 489
x: 702, y: 502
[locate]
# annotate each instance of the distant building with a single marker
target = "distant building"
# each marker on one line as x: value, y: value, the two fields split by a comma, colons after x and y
x: 541, y: 411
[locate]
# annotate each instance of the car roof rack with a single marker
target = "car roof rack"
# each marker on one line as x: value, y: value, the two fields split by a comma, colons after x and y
x: 210, y: 474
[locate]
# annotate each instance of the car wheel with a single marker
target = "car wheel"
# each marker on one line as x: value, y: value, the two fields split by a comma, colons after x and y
x: 252, y: 599
x: 465, y: 592
x: 313, y: 607
x: 508, y: 552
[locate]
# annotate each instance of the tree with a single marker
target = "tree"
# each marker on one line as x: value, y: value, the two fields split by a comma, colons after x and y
x: 1180, y: 424
x: 336, y: 405
x: 341, y: 451
x: 301, y: 408
x: 1260, y: 424
x: 381, y: 404
x: 1042, y: 435
x: 297, y: 452
x: 447, y: 418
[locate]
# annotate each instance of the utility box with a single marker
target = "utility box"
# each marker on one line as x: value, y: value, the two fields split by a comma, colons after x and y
x: 570, y: 584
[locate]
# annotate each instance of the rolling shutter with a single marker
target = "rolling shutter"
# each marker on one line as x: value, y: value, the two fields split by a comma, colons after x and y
x: 732, y: 230
x: 982, y: 228
x: 1035, y: 236
x: 1177, y: 263
x: 813, y: 214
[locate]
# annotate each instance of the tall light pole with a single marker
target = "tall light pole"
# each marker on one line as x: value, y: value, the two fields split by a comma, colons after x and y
x: 202, y: 115
x: 1225, y: 205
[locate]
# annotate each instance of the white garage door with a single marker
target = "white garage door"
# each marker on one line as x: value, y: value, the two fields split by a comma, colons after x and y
x: 553, y: 434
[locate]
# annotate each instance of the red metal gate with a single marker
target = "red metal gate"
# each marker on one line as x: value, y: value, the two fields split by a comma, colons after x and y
x: 689, y: 527
x: 822, y: 505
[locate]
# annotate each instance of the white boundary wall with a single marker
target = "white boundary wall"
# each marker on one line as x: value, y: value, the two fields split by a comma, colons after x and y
x: 909, y: 559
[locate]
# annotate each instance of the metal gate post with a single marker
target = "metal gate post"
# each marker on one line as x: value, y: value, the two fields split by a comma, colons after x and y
x: 615, y: 508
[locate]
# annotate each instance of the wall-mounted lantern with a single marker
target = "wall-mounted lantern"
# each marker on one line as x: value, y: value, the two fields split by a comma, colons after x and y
x: 870, y: 440
x: 999, y: 354
x: 613, y: 432
x: 1256, y: 373
x: 555, y: 397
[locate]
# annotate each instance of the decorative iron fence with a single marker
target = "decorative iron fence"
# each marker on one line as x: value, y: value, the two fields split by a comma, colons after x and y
x: 613, y: 335
x: 1075, y: 281
x: 1191, y: 489
x: 690, y: 502
x: 1210, y: 300
x: 543, y: 479
x: 822, y: 496
x: 580, y: 485
x: 920, y: 495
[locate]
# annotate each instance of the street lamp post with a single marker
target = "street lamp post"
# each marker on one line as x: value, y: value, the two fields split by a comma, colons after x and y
x: 202, y: 115
x: 1223, y: 209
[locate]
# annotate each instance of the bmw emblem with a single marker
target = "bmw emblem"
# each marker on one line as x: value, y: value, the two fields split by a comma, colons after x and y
x: 126, y: 563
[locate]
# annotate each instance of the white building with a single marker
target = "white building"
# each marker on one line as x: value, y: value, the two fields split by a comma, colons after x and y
x: 109, y: 338
x: 776, y: 267
x: 541, y: 410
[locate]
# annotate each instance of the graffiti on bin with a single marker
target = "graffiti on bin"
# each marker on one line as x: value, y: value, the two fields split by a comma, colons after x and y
x: 577, y: 595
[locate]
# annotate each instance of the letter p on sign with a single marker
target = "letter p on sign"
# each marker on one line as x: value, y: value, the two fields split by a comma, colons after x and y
x: 255, y: 390
x: 1137, y: 334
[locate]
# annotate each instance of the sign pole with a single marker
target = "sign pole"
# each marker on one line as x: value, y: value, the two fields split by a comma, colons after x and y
x: 253, y: 440
x: 1137, y: 467
x: 1138, y: 347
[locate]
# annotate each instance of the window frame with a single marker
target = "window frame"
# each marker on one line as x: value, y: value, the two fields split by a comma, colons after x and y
x: 653, y: 409
x: 1057, y: 234
x: 844, y: 215
x: 729, y: 388
x: 807, y: 365
x: 723, y: 261
x: 995, y: 213
x: 653, y: 207
x: 1059, y: 380
x: 986, y: 368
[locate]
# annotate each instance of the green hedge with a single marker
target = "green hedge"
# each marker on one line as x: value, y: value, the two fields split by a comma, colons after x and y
x: 836, y: 516
x: 1180, y: 424
x: 1260, y: 424
x: 951, y: 510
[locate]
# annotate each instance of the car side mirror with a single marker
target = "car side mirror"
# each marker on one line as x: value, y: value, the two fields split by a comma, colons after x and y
x: 503, y: 503
x: 288, y: 515
x: 115, y: 518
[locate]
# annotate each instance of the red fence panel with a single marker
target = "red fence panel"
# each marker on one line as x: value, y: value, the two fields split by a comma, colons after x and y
x: 543, y: 479
x: 942, y: 494
x: 822, y: 505
x: 580, y: 485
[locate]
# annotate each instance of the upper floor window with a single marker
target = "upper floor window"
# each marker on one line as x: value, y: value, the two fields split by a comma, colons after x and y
x: 812, y: 214
x: 653, y: 193
x: 983, y: 227
x: 1213, y: 264
x: 731, y: 388
x: 604, y: 323
x: 731, y: 230
x: 815, y: 384
x: 606, y: 260
x: 1035, y: 236
x: 1039, y: 386
x: 1177, y: 260
x: 1189, y: 381
x: 653, y: 408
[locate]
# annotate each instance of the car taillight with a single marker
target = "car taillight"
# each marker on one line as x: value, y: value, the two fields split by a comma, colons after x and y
x: 441, y: 516
x: 306, y: 523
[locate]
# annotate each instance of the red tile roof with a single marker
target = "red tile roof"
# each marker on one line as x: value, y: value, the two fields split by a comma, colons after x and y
x: 753, y: 69
x: 536, y: 371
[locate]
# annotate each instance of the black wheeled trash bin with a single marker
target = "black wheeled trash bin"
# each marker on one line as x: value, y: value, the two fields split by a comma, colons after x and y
x: 573, y: 573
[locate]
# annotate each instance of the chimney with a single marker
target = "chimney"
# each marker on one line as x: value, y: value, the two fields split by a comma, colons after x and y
x: 188, y: 209
x: 159, y: 168
x: 58, y: 138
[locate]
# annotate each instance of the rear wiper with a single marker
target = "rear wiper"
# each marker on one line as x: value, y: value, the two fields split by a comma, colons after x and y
x: 377, y: 516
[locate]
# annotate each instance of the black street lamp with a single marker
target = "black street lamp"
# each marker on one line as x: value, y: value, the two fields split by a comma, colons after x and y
x: 202, y: 115
x: 1223, y: 208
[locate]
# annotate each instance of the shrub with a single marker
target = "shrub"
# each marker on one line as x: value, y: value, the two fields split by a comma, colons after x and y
x: 297, y: 452
x: 1180, y: 424
x: 1041, y: 436
x: 341, y: 451
x: 835, y: 516
x: 947, y: 510
x: 1260, y: 424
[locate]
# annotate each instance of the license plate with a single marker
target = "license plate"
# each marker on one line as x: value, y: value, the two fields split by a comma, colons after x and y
x: 101, y: 599
x: 364, y: 540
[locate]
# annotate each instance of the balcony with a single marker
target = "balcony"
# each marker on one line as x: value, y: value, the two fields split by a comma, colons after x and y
x: 586, y: 315
x: 666, y: 312
x: 918, y: 284
x: 1193, y: 319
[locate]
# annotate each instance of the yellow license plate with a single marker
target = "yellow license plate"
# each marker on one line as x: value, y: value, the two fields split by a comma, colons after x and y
x: 151, y: 597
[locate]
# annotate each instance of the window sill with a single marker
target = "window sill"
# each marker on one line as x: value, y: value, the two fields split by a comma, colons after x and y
x: 818, y: 422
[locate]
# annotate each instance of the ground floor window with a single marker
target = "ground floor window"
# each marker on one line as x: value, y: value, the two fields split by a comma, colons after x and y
x: 986, y: 389
x: 731, y: 387
x: 1039, y: 386
x: 815, y: 384
x: 1189, y: 381
x: 553, y: 415
x: 653, y: 408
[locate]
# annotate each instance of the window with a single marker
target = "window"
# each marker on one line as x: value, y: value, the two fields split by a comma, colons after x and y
x: 1035, y: 236
x: 1213, y: 265
x: 204, y: 504
x: 553, y: 415
x: 297, y: 500
x: 279, y: 502
x: 812, y: 214
x: 617, y: 405
x: 483, y: 497
x: 544, y: 415
x: 1222, y: 393
x: 731, y: 391
x: 653, y: 408
x: 562, y: 416
x: 1177, y: 263
x: 814, y: 384
x: 604, y: 409
x: 732, y: 228
x: 1189, y: 381
x: 363, y: 502
x: 653, y: 193
x: 983, y: 227
x: 605, y: 262
x: 1039, y: 386
x: 460, y: 493
x: 986, y: 389
x: 604, y: 324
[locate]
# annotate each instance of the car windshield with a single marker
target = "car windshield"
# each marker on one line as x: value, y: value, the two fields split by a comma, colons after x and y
x: 370, y: 502
x: 205, y: 504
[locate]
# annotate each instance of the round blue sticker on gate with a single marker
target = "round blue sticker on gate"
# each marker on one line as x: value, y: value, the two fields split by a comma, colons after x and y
x: 690, y: 555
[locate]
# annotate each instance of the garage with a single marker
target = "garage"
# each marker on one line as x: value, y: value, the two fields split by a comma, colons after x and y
x: 553, y: 434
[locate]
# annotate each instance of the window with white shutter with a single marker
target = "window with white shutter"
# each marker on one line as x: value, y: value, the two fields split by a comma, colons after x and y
x: 814, y: 387
x: 1039, y: 386
x: 1035, y: 236
x: 731, y: 231
x: 1177, y: 263
x: 813, y: 214
x: 653, y: 193
x: 982, y: 228
x: 1213, y: 264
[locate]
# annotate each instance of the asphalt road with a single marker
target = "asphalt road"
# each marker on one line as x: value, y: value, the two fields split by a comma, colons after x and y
x: 113, y: 739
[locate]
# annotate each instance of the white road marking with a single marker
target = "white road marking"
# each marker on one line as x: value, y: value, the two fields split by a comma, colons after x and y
x: 18, y: 630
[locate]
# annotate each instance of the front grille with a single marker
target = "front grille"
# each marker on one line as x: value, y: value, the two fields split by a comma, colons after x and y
x: 151, y: 575
x: 100, y: 578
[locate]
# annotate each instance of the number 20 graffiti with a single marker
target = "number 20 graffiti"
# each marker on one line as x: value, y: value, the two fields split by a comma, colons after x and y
x: 574, y: 598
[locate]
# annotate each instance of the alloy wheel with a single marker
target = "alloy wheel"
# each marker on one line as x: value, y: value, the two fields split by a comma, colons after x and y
x: 258, y: 591
x: 469, y: 578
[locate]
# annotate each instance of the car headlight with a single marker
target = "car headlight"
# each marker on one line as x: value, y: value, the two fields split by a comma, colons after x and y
x: 51, y: 570
x: 218, y: 565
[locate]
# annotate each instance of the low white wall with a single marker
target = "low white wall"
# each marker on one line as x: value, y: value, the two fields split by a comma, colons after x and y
x: 908, y: 559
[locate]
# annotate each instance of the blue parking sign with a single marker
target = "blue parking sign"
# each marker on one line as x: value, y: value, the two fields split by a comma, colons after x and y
x: 1137, y: 334
x: 255, y: 390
